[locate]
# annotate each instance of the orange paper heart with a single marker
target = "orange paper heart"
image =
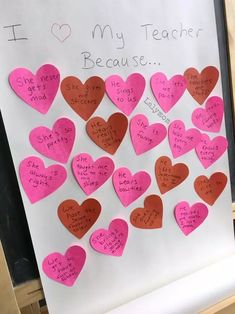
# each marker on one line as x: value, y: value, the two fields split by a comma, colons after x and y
x: 83, y: 98
x: 108, y: 135
x: 168, y: 176
x: 78, y: 219
x: 210, y: 189
x: 149, y: 217
x: 200, y: 85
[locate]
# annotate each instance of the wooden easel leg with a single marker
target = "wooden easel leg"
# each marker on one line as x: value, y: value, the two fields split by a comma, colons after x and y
x: 31, y: 309
x: 8, y: 304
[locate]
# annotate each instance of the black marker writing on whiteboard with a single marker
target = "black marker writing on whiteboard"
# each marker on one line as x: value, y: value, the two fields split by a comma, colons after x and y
x: 106, y: 32
x: 13, y: 32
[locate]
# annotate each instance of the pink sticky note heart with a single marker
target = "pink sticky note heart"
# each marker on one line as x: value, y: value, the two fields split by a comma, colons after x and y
x: 56, y: 143
x: 128, y: 187
x: 144, y: 136
x: 208, y: 151
x: 66, y: 268
x: 90, y: 174
x: 38, y: 90
x: 210, y: 118
x: 189, y: 218
x: 182, y: 141
x: 111, y: 241
x: 38, y: 181
x: 125, y: 95
x: 167, y: 92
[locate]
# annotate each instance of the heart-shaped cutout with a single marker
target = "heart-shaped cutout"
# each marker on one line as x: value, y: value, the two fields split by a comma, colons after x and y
x: 108, y: 135
x: 130, y: 187
x: 78, y: 219
x: 125, y: 95
x: 57, y: 143
x: 111, y: 241
x: 168, y: 176
x: 90, y: 174
x: 38, y: 90
x: 210, y: 189
x: 190, y: 218
x: 149, y: 217
x: 65, y: 269
x: 38, y: 181
x: 200, y: 85
x: 85, y: 98
x: 209, y: 151
x: 167, y: 92
x: 144, y: 136
x: 210, y: 118
x: 182, y: 141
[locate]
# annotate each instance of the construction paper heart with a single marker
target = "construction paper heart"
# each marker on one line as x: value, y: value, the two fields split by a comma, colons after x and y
x: 37, y: 90
x: 149, y: 217
x: 111, y: 241
x: 208, y: 151
x: 65, y: 269
x: 168, y: 176
x: 61, y: 32
x: 125, y: 95
x: 90, y: 174
x: 210, y: 118
x: 108, y: 135
x: 167, y: 92
x: 57, y: 143
x: 128, y: 187
x: 144, y: 136
x: 190, y: 218
x: 200, y: 85
x: 38, y: 181
x: 210, y: 189
x: 85, y: 98
x: 78, y: 219
x: 182, y: 141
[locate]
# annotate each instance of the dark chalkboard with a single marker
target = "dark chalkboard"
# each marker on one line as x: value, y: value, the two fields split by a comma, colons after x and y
x: 14, y: 232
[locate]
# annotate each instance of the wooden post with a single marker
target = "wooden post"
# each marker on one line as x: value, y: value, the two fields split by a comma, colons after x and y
x: 8, y: 303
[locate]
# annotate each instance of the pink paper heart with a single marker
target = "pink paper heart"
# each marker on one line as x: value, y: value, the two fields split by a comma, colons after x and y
x: 128, y: 187
x: 189, y: 218
x: 57, y: 143
x: 90, y: 174
x: 111, y: 241
x: 65, y: 268
x: 182, y: 141
x: 167, y: 92
x: 125, y: 95
x: 208, y: 151
x: 38, y: 90
x: 210, y: 118
x: 144, y: 136
x: 38, y: 181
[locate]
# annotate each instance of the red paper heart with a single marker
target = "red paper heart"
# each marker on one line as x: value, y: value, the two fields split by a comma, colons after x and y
x: 149, y: 217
